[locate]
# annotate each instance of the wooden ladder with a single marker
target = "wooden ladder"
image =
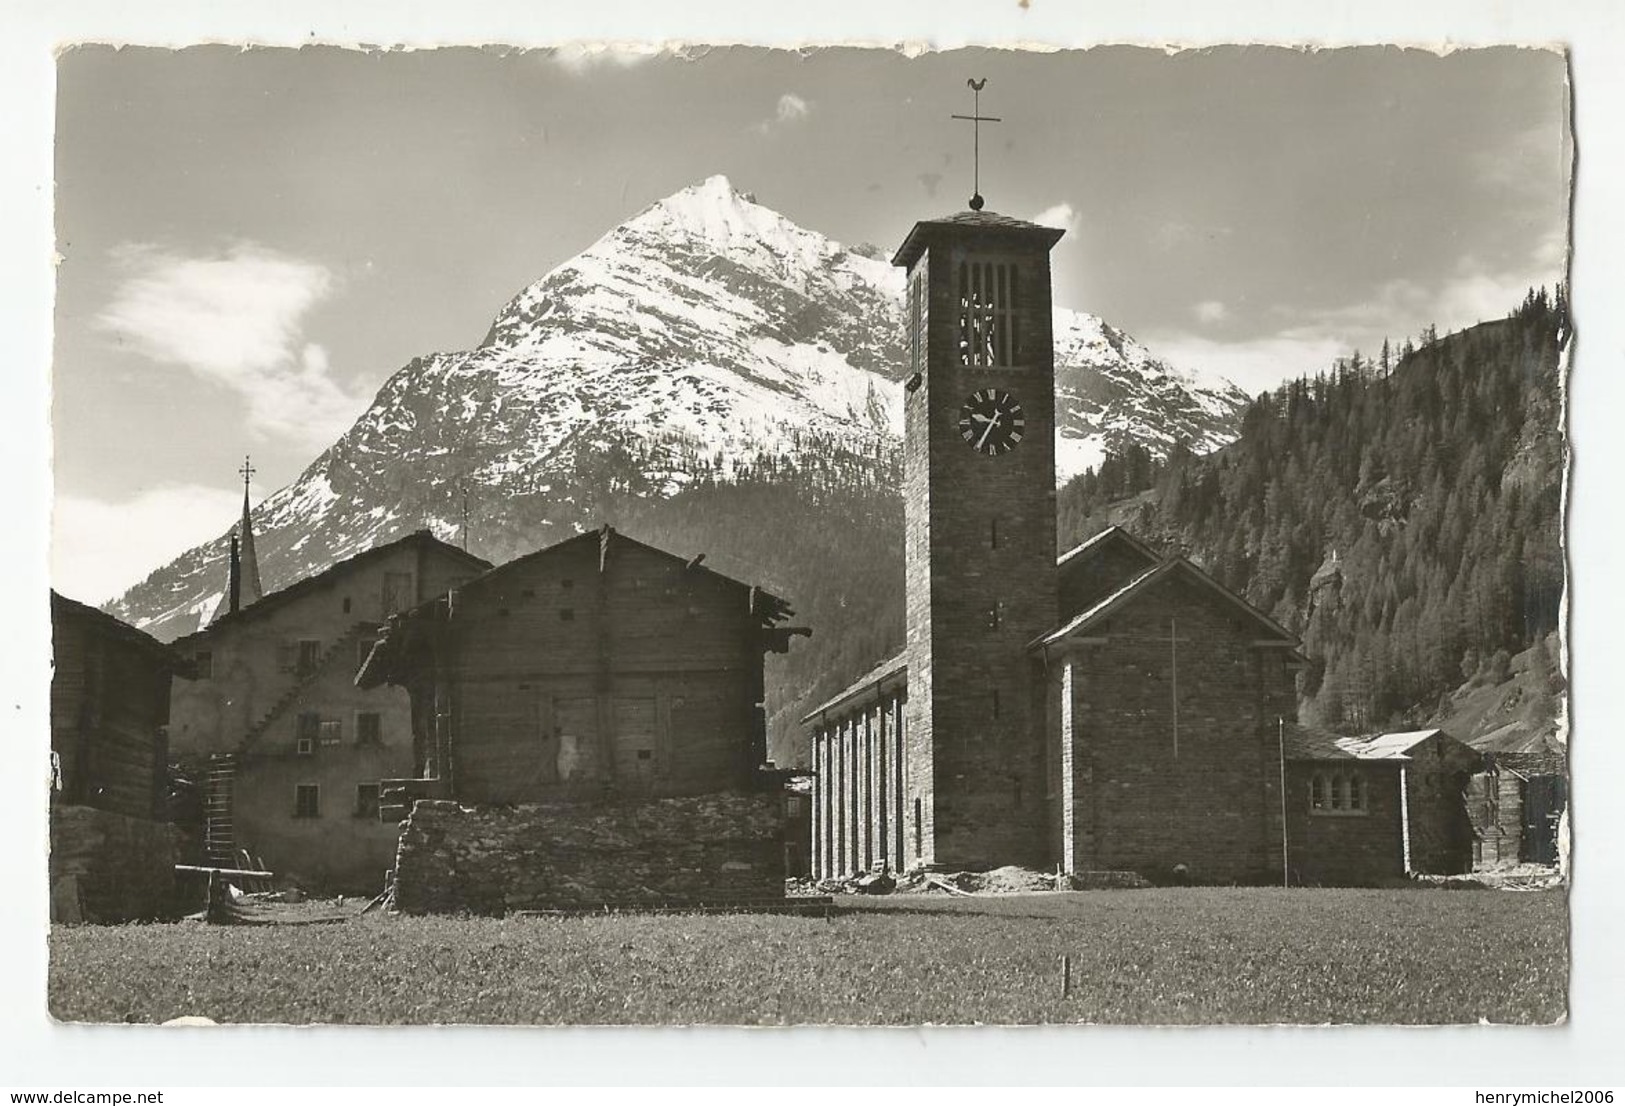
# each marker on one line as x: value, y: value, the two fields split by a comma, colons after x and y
x: 219, y: 836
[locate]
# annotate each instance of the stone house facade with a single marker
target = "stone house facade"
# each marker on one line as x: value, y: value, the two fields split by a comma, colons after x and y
x: 293, y: 750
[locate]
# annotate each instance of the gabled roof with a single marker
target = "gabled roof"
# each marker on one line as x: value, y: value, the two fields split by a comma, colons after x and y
x: 889, y: 673
x: 1091, y: 548
x: 770, y: 607
x: 1307, y: 743
x: 927, y: 231
x: 1142, y: 583
x: 1385, y: 746
x: 309, y: 584
x: 64, y: 608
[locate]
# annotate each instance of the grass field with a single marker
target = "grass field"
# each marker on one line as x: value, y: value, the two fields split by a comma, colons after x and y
x: 1174, y: 956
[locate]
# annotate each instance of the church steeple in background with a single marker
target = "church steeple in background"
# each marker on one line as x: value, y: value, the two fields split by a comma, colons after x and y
x: 249, y: 580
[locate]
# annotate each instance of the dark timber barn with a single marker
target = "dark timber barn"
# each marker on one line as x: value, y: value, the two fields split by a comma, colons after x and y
x: 112, y: 850
x: 612, y: 693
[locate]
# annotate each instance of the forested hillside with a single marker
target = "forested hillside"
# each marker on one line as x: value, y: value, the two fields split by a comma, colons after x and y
x: 1403, y: 515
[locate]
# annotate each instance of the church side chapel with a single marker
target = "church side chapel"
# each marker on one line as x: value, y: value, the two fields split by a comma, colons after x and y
x: 1107, y: 711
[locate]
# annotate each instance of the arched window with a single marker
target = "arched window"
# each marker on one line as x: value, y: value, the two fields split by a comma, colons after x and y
x: 1342, y: 791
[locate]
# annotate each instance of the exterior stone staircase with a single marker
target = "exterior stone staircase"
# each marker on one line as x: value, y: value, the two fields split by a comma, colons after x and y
x: 289, y: 697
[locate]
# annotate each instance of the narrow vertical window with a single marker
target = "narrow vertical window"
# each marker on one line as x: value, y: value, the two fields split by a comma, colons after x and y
x: 919, y: 831
x: 307, y: 800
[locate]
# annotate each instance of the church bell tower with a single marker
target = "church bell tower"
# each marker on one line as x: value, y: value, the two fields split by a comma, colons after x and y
x: 979, y: 517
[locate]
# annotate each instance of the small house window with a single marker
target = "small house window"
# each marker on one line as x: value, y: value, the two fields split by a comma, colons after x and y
x: 307, y: 800
x: 305, y: 746
x: 310, y: 653
x: 332, y: 731
x: 203, y: 664
x: 366, y: 800
x: 369, y: 728
x: 346, y: 604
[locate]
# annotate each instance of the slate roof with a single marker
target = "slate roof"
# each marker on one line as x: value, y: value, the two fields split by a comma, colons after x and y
x: 770, y: 606
x: 1092, y: 547
x: 893, y: 669
x: 64, y: 608
x: 1308, y: 743
x: 1139, y: 584
x: 1305, y: 743
x: 1385, y: 746
x: 928, y: 230
x: 310, y: 583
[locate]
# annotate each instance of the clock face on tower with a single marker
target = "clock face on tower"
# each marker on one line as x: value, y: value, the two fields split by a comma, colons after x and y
x: 992, y: 421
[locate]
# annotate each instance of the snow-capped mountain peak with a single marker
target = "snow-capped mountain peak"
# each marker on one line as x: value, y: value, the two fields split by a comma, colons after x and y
x: 702, y: 334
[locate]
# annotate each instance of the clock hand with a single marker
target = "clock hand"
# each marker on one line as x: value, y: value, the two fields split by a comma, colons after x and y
x: 991, y: 423
x: 979, y: 418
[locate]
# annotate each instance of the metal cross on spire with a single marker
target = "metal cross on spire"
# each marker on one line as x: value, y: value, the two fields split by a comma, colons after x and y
x: 245, y: 472
x: 976, y: 119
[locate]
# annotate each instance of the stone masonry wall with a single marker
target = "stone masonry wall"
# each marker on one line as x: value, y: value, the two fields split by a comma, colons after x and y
x: 1346, y: 850
x: 716, y: 848
x: 124, y: 867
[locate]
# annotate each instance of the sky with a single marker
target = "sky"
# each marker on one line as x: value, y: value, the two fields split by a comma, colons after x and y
x: 252, y: 242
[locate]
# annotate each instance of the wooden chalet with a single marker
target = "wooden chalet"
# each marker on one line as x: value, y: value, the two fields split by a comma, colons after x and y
x: 597, y: 666
x: 109, y: 712
x: 111, y: 845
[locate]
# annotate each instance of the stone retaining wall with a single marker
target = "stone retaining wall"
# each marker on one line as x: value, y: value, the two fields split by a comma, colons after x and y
x: 108, y: 867
x: 492, y: 860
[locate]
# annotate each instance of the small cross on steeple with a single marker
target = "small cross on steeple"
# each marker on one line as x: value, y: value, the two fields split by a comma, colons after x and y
x: 245, y: 472
x: 976, y: 119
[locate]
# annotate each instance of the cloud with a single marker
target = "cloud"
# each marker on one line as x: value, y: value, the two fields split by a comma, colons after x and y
x: 1308, y: 341
x: 235, y: 319
x: 1254, y: 365
x: 791, y: 109
x: 1210, y: 311
x: 100, y: 547
x: 1062, y: 216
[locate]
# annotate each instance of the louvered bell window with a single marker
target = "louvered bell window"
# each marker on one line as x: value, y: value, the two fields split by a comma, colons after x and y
x: 987, y: 314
